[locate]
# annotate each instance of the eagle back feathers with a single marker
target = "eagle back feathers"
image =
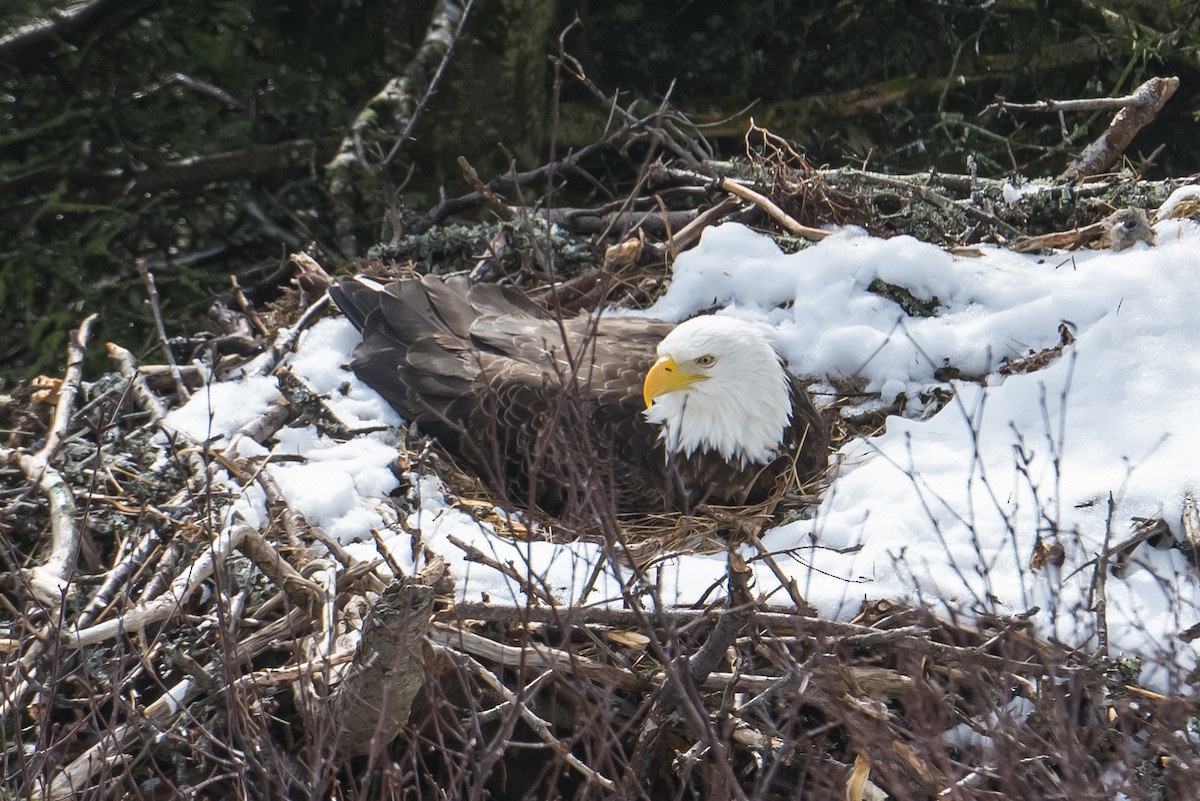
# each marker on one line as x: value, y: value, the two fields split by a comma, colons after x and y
x: 548, y: 411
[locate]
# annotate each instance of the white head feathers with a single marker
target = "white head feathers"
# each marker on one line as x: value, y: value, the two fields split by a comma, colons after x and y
x: 719, y: 385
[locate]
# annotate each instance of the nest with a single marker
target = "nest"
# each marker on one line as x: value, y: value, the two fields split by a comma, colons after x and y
x: 159, y: 645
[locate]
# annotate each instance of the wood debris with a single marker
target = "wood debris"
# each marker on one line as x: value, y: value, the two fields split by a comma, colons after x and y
x: 150, y: 629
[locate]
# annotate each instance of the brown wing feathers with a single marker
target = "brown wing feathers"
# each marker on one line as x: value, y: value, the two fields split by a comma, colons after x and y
x: 484, y: 369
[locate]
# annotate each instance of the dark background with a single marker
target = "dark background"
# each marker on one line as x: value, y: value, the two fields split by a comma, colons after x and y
x: 96, y: 130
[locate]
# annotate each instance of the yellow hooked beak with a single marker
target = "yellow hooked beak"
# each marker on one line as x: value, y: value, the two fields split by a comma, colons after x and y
x: 665, y: 376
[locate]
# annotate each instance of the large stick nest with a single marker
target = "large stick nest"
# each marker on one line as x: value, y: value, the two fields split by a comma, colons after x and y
x: 158, y: 647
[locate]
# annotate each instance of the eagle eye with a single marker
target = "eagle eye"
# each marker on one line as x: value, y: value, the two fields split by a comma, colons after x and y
x: 707, y: 360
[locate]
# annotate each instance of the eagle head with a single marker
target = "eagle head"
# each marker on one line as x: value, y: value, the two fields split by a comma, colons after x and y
x: 719, y: 385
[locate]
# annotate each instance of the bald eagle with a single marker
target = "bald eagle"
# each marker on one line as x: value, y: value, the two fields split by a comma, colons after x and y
x: 645, y: 415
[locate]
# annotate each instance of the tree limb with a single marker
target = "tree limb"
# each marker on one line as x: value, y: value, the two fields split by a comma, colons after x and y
x: 1149, y: 99
x: 49, y: 581
x: 402, y: 100
x: 36, y: 41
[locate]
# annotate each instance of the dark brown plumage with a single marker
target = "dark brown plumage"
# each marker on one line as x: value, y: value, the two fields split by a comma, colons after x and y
x: 550, y: 411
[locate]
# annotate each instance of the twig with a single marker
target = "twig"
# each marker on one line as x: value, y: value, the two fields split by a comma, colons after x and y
x: 49, y: 581
x: 741, y: 190
x: 832, y: 681
x: 584, y: 221
x: 126, y: 565
x: 786, y: 581
x: 688, y: 234
x: 271, y: 562
x: 300, y: 535
x: 195, y: 84
x: 472, y: 177
x: 501, y: 709
x: 1144, y: 95
x: 435, y: 32
x: 915, y: 637
x: 283, y: 675
x: 527, y: 586
x: 167, y: 604
x: 160, y: 326
x: 537, y: 657
x: 635, y: 130
x: 738, y: 610
x: 247, y: 308
x: 765, y: 203
x: 575, y: 69
x: 142, y: 394
x: 67, y: 392
x: 1144, y: 105
x: 148, y: 401
x: 540, y: 726
x: 285, y: 340
x: 69, y: 781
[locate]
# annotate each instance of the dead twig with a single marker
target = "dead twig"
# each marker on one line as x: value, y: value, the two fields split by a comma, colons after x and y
x: 160, y: 327
x: 50, y: 581
x: 743, y: 191
x: 1142, y: 107
x: 528, y: 586
x: 537, y: 657
x: 160, y: 713
x: 168, y: 603
x: 1145, y: 95
x: 285, y: 340
x: 540, y: 727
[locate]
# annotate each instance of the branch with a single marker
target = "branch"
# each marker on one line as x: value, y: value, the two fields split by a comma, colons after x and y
x: 164, y: 710
x: 161, y: 328
x: 1148, y: 101
x: 375, y: 699
x: 285, y: 338
x: 396, y: 101
x: 535, y: 657
x: 169, y: 602
x: 441, y: 212
x: 48, y: 582
x: 744, y: 192
x: 434, y: 40
x: 738, y: 610
x: 1144, y: 95
x: 38, y: 40
x: 540, y: 726
x: 235, y: 165
x: 528, y: 586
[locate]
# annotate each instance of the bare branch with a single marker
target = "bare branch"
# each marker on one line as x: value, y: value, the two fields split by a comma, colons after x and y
x: 36, y: 41
x: 50, y: 581
x: 1149, y: 100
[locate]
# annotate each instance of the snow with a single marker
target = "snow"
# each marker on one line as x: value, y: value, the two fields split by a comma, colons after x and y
x: 944, y: 507
x: 220, y: 408
x: 1176, y: 198
x: 1015, y: 192
x: 337, y: 485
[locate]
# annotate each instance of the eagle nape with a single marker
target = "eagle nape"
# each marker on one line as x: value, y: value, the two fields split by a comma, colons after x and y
x: 551, y: 411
